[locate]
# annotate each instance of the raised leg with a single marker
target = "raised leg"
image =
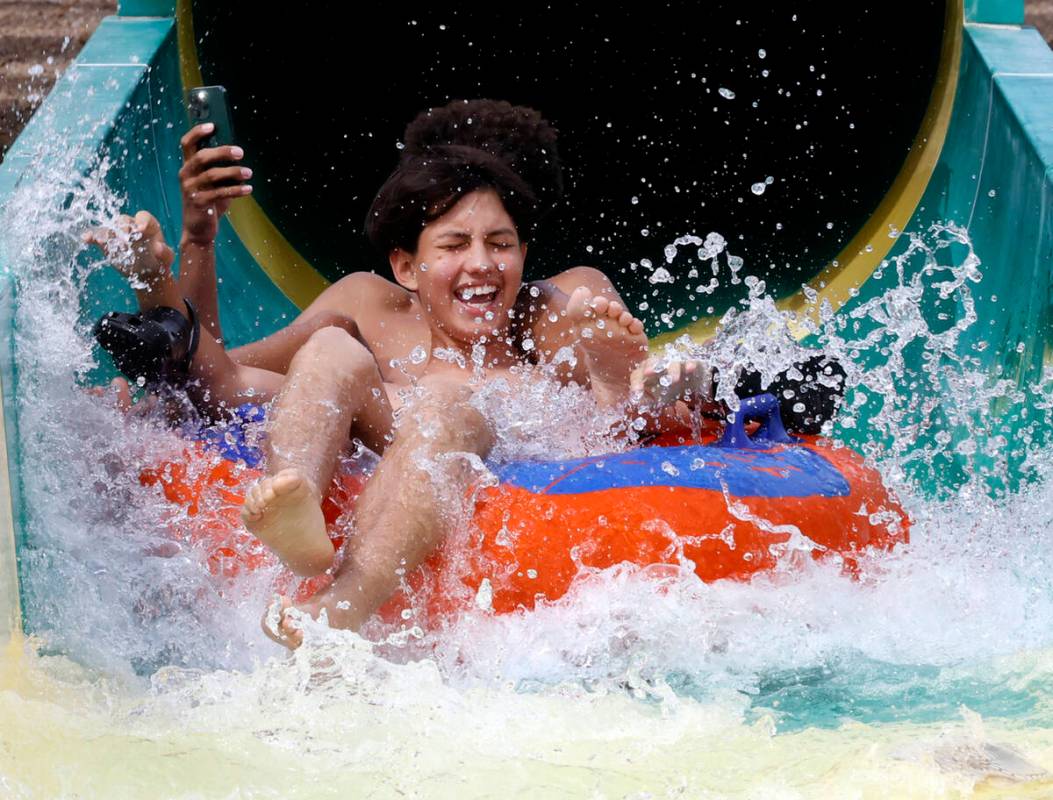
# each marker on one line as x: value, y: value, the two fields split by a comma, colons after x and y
x: 408, y: 507
x: 333, y: 388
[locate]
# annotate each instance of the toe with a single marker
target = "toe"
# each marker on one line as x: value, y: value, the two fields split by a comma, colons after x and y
x: 285, y: 481
x: 250, y: 511
x: 254, y: 500
x: 577, y: 304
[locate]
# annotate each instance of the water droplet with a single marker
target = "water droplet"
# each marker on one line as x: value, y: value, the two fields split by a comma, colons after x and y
x: 400, y: 145
x: 762, y: 53
x: 727, y: 94
x: 758, y: 188
x: 829, y: 226
x: 635, y: 200
x: 764, y: 73
x: 769, y: 180
x: 992, y: 193
x: 535, y: 292
x: 645, y: 232
x: 484, y: 597
x: 669, y: 469
x: 422, y: 267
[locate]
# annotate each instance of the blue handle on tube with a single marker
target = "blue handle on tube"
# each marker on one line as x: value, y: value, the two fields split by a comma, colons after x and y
x: 765, y: 409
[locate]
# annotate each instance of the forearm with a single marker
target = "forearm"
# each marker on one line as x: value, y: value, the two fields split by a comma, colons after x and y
x: 156, y: 291
x: 197, y: 281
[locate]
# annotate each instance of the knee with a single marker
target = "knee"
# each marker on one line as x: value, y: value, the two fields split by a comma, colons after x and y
x: 332, y: 319
x: 451, y: 422
x: 335, y: 349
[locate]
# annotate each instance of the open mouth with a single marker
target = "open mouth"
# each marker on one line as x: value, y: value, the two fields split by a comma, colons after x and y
x: 478, y: 298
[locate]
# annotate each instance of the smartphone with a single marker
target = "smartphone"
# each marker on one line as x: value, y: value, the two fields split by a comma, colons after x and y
x: 209, y: 104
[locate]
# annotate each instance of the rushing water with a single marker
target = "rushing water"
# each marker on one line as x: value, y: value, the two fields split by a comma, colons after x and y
x: 148, y: 676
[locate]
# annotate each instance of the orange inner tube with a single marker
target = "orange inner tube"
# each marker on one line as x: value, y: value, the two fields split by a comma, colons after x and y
x: 530, y: 545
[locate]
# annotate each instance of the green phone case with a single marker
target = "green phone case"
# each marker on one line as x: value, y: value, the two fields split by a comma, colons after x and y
x: 209, y: 104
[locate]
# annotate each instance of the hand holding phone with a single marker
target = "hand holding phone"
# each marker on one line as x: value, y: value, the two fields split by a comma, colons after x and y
x: 212, y: 175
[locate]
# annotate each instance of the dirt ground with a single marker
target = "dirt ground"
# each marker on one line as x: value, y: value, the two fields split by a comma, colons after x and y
x: 38, y: 38
x: 1040, y: 14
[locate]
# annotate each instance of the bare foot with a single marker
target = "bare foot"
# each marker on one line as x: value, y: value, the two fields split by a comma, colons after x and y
x: 613, y: 341
x: 280, y: 626
x: 287, y: 628
x: 284, y: 512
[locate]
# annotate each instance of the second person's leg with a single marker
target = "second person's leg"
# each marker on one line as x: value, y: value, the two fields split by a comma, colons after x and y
x: 333, y: 388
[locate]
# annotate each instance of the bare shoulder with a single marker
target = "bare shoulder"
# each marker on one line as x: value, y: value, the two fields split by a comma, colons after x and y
x: 368, y: 285
x: 361, y: 291
x: 563, y: 284
x: 589, y: 277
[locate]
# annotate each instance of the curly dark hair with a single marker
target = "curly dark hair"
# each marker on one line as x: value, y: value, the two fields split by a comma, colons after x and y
x: 458, y: 148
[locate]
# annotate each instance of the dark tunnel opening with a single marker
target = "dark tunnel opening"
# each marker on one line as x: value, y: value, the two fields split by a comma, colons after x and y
x: 780, y: 129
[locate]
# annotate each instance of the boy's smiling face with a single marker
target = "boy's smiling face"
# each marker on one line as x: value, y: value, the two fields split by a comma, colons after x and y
x: 467, y: 270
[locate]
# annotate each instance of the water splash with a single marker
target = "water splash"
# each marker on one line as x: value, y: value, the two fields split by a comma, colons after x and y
x: 678, y: 666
